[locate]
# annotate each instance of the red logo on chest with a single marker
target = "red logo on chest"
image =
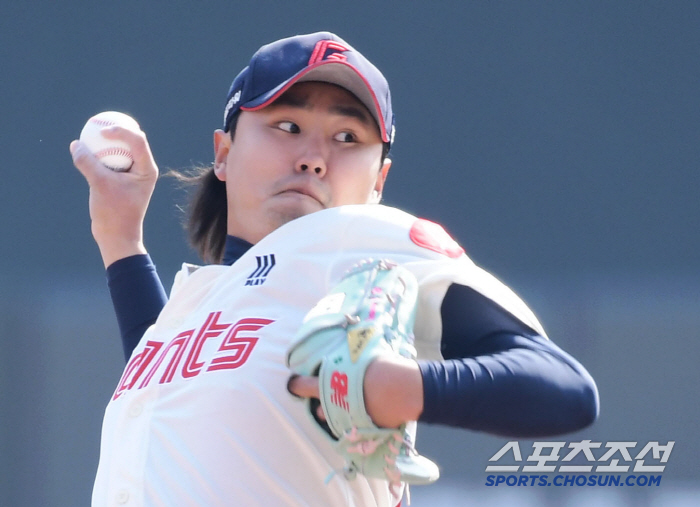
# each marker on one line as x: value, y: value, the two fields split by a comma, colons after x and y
x: 432, y: 236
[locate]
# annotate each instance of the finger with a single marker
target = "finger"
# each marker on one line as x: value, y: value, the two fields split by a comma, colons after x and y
x: 85, y: 161
x: 144, y: 164
x: 303, y: 386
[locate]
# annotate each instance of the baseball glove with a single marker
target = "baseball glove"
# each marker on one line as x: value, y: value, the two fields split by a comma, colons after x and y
x: 368, y: 314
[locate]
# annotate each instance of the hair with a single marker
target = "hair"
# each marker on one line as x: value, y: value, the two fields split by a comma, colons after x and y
x: 207, y: 212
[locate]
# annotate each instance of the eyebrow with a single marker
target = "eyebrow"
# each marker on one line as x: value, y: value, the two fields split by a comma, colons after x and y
x: 291, y: 100
x: 301, y: 102
x: 351, y: 112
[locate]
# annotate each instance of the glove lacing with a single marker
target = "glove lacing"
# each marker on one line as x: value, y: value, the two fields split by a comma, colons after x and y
x: 367, y: 446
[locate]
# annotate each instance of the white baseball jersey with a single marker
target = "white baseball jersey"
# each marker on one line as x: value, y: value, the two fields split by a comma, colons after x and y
x: 202, y: 416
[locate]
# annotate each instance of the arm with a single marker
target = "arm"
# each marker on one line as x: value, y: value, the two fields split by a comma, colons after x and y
x: 138, y: 297
x: 498, y: 376
x: 527, y: 387
x: 118, y: 203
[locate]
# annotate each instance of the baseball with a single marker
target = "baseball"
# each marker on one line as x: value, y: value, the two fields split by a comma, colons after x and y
x: 113, y: 153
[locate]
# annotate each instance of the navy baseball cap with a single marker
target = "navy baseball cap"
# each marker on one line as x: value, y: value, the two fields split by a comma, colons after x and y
x: 320, y: 56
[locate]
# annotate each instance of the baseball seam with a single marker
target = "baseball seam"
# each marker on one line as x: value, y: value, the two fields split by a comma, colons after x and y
x: 101, y: 122
x: 114, y: 151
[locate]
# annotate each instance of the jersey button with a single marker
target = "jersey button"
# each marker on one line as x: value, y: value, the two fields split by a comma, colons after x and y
x: 122, y: 497
x: 135, y: 410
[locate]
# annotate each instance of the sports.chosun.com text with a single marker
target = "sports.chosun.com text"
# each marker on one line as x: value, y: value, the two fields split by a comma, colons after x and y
x: 573, y: 480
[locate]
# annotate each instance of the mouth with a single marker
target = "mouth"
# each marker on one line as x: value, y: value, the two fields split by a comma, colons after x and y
x: 301, y: 191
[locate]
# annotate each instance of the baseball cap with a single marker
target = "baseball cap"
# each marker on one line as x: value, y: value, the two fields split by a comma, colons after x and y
x: 320, y: 56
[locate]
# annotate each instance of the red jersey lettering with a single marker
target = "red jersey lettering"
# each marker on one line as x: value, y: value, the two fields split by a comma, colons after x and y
x: 241, y: 346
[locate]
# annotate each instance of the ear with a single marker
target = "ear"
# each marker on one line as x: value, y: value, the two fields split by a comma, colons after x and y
x: 222, y: 144
x: 381, y: 180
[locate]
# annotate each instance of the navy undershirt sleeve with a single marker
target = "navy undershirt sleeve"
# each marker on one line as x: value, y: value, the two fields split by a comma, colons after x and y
x: 138, y: 297
x: 501, y: 377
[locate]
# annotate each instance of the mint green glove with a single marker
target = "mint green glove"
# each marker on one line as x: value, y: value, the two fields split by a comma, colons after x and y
x: 370, y: 313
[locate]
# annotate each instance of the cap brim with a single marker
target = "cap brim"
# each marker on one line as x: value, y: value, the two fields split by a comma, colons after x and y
x: 334, y: 72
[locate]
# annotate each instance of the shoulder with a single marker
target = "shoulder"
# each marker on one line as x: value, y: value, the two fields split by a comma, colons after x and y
x: 375, y: 228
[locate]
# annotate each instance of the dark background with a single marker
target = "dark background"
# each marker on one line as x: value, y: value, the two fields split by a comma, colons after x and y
x: 559, y: 142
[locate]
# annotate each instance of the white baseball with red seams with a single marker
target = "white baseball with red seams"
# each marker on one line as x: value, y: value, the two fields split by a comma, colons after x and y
x: 113, y: 153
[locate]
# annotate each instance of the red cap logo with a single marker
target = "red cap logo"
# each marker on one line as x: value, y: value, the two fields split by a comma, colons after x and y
x: 320, y: 51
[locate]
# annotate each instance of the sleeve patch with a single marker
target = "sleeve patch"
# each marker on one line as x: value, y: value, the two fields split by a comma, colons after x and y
x: 432, y: 236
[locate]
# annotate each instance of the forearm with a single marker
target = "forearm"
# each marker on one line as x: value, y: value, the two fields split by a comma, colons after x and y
x: 531, y: 388
x: 138, y: 297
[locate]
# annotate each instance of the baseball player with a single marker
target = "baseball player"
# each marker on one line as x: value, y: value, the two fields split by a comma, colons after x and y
x: 215, y: 406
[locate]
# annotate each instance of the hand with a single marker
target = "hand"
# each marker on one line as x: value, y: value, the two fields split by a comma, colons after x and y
x: 118, y: 200
x: 393, y: 390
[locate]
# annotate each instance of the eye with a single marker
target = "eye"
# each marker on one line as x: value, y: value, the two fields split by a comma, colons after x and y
x: 345, y: 137
x: 289, y: 126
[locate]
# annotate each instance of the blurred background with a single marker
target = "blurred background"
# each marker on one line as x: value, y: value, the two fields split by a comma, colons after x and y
x: 558, y: 141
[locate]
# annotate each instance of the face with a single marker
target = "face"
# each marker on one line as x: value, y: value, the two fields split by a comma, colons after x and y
x: 315, y: 147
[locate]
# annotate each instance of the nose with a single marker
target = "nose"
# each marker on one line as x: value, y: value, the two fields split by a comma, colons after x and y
x: 312, y: 160
x: 305, y: 167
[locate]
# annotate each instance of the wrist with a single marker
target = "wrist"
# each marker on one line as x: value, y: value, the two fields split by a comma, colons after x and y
x: 393, y: 391
x: 114, y: 250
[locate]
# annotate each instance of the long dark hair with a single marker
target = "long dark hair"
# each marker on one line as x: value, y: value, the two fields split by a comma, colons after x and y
x: 207, y: 213
x: 207, y: 210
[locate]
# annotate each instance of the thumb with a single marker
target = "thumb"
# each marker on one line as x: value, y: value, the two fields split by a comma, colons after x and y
x: 85, y: 161
x: 303, y: 386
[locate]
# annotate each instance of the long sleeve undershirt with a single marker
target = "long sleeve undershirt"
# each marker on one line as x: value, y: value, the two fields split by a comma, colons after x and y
x: 498, y: 375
